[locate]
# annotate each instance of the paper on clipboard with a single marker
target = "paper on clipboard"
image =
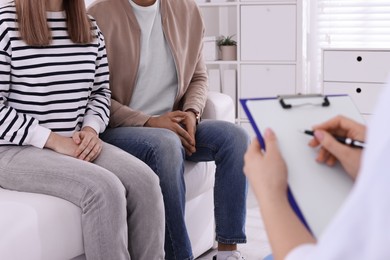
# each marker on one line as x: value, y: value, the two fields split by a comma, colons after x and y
x: 317, y: 189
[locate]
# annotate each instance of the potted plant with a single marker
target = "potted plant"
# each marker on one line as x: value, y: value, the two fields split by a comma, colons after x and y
x: 228, y: 47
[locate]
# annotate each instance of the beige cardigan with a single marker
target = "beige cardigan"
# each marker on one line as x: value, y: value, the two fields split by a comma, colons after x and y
x: 183, y: 28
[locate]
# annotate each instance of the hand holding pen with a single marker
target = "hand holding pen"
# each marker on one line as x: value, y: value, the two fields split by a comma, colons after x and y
x: 344, y: 140
x: 331, y: 150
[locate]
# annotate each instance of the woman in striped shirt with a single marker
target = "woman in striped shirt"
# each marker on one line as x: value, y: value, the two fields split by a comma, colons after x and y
x: 54, y: 102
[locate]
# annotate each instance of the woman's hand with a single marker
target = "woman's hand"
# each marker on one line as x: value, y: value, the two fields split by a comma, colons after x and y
x: 331, y: 150
x: 266, y: 170
x: 61, y: 144
x: 89, y: 144
x: 267, y: 173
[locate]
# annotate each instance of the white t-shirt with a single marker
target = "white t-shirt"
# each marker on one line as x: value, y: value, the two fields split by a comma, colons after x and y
x: 157, y: 84
x: 361, y: 229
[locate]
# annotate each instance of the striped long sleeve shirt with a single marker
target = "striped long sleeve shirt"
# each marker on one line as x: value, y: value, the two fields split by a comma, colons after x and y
x: 61, y: 87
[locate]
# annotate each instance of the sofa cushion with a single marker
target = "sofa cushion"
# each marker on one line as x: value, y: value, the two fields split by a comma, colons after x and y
x: 37, y: 226
x: 199, y: 178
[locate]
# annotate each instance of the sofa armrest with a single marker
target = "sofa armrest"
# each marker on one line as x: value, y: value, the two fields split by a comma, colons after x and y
x: 219, y: 106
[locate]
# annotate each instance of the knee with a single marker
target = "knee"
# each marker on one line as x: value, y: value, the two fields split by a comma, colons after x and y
x: 154, y: 189
x: 105, y: 190
x: 154, y: 197
x: 242, y: 135
x: 141, y: 180
x: 168, y: 142
x: 144, y: 188
x: 236, y: 135
x: 165, y: 152
x: 150, y: 181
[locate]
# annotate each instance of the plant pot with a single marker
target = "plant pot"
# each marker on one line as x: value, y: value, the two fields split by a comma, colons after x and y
x: 228, y: 52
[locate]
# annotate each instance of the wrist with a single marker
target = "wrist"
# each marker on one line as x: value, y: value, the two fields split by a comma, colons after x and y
x: 195, y: 113
x: 271, y: 196
x: 52, y: 141
x: 149, y: 122
x: 89, y: 129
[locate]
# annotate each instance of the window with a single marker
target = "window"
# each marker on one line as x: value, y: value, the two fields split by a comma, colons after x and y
x: 345, y: 24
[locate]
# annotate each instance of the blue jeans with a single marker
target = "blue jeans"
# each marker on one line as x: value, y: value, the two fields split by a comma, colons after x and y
x: 219, y: 141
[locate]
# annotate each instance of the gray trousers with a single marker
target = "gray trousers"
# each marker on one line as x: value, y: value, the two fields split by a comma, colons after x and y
x: 119, y: 196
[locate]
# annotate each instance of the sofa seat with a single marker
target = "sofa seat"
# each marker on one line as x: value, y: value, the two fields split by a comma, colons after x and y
x: 35, y: 226
x: 41, y: 227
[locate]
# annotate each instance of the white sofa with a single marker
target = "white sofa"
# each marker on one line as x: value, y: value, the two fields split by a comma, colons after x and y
x: 42, y: 227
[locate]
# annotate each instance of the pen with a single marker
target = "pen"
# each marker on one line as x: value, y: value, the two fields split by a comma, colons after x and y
x: 344, y: 140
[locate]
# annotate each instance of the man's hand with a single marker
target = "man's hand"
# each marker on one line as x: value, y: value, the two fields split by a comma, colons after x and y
x: 189, y: 124
x: 89, y: 144
x: 182, y: 123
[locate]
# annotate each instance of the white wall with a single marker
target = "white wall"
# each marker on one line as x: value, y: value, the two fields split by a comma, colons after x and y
x: 88, y: 2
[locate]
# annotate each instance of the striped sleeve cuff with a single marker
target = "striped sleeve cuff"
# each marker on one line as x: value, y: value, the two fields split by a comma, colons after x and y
x: 40, y: 136
x: 96, y: 125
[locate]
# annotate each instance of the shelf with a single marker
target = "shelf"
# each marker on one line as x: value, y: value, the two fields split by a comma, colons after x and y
x: 221, y: 62
x: 219, y: 4
x: 252, y: 2
x: 249, y: 3
x: 265, y: 62
x: 234, y: 62
x: 267, y: 2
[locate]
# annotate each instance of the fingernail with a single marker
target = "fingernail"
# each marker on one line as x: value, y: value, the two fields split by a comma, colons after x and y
x: 268, y: 132
x: 319, y: 135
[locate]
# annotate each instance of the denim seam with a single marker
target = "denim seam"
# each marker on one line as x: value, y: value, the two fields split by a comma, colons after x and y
x: 216, y: 215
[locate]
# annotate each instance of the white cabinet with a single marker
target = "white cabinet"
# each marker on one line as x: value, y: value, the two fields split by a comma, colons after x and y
x: 265, y: 80
x: 269, y: 35
x: 360, y: 73
x: 356, y: 65
x: 267, y: 28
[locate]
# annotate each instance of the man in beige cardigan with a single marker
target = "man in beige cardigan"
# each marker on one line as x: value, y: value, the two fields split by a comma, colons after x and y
x: 159, y: 89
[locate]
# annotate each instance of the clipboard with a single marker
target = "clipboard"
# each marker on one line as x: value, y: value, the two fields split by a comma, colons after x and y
x: 316, y: 191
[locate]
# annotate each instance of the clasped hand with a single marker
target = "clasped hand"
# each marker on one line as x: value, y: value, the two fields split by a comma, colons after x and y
x: 89, y: 144
x: 84, y: 145
x: 182, y: 123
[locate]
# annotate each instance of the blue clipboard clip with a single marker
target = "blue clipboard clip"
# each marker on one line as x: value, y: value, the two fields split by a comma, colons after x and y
x: 282, y: 100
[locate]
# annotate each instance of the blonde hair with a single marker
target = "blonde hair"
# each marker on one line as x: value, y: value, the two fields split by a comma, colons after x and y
x: 35, y: 31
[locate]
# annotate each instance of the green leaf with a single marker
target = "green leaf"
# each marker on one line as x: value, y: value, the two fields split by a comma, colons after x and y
x: 226, y: 41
